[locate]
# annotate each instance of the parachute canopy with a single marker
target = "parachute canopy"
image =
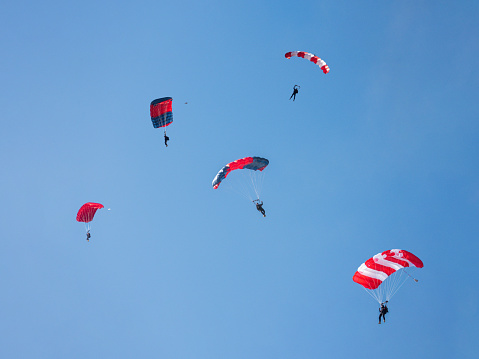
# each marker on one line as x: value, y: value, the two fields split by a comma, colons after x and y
x: 311, y: 57
x: 161, y: 112
x: 249, y: 163
x: 375, y: 270
x: 383, y: 274
x: 87, y: 211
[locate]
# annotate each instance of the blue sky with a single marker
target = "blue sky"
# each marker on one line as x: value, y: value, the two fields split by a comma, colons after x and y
x: 380, y: 153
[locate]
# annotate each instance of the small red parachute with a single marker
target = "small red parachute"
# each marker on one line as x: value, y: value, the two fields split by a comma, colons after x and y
x: 87, y: 211
x: 311, y: 57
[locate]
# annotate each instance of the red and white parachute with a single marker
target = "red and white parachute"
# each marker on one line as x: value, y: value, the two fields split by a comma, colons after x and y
x: 383, y: 274
x: 311, y: 57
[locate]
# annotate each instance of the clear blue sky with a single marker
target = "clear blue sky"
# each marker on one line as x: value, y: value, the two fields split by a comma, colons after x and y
x: 380, y: 153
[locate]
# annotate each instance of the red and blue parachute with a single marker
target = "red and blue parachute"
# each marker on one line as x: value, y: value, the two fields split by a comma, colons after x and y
x: 247, y: 163
x: 247, y: 179
x: 161, y: 112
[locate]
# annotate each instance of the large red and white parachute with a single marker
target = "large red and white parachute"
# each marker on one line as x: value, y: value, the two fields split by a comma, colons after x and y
x: 383, y: 274
x: 308, y: 56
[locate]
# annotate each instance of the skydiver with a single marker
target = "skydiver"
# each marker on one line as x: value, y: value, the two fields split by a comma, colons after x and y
x: 166, y: 139
x: 295, y: 91
x: 88, y: 235
x: 259, y: 207
x: 382, y: 311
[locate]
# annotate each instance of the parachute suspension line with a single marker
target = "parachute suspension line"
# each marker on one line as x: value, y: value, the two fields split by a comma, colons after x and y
x: 389, y: 287
x: 373, y: 294
x: 238, y: 183
x: 246, y: 187
x: 238, y: 186
x: 411, y: 276
x: 398, y: 287
x: 370, y: 293
x: 257, y: 178
x: 395, y: 282
x: 253, y: 183
x: 400, y: 280
x: 261, y: 181
x: 389, y: 284
x: 382, y: 290
x: 404, y: 281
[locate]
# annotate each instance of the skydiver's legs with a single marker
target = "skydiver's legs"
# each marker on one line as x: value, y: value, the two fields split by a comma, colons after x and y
x: 384, y: 317
x: 263, y: 212
x: 293, y: 94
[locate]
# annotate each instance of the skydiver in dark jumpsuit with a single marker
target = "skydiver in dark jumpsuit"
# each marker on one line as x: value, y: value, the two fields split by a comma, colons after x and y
x: 259, y: 207
x: 88, y: 235
x: 382, y: 312
x: 166, y: 139
x: 295, y: 91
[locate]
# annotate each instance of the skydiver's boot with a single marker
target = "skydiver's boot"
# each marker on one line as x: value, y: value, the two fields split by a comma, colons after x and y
x: 379, y: 323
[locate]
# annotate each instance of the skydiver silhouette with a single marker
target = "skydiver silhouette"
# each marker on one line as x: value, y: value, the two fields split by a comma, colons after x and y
x: 259, y: 207
x: 382, y: 311
x: 88, y: 235
x: 295, y: 91
x: 166, y: 139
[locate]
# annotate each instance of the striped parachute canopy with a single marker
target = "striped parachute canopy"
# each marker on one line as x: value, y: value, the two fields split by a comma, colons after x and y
x: 247, y: 163
x: 161, y: 112
x: 311, y: 57
x: 246, y: 183
x: 383, y: 274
